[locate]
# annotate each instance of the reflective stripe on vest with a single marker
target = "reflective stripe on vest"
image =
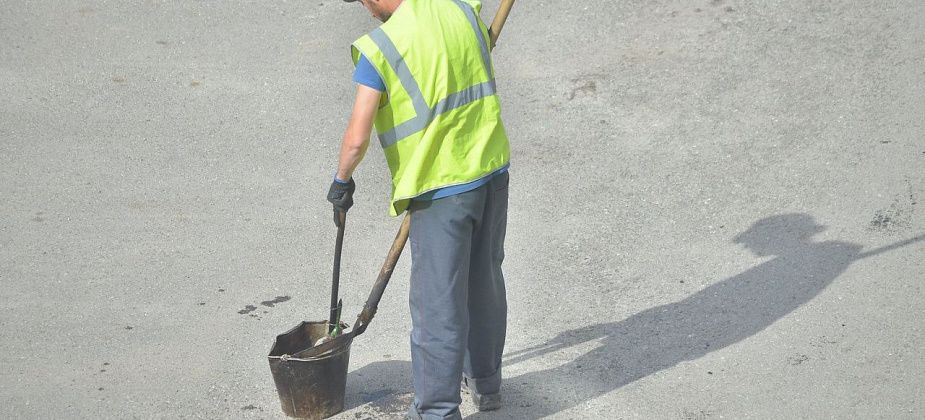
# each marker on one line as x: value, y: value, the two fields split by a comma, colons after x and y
x: 439, y: 122
x: 424, y: 114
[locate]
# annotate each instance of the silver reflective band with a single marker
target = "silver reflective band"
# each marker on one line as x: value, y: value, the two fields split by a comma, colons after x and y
x: 422, y: 120
x: 397, y: 62
x: 474, y: 21
x: 465, y: 96
x: 424, y: 114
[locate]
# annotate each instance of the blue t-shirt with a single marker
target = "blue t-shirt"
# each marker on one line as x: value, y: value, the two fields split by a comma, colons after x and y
x: 459, y: 189
x: 366, y: 75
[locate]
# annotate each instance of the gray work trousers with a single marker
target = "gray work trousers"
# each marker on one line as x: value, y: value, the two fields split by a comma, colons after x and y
x: 458, y: 303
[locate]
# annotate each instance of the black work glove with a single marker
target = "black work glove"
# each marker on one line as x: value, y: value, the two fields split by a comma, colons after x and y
x: 341, y: 196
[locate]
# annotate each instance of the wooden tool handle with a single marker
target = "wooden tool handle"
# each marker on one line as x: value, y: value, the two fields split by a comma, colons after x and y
x: 498, y: 23
x: 372, y: 303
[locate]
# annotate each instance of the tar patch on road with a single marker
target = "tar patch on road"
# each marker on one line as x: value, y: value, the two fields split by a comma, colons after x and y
x: 889, y: 220
x: 391, y: 405
x: 898, y: 216
x: 582, y: 88
x: 696, y: 414
x: 271, y: 303
x: 267, y: 303
x: 797, y: 359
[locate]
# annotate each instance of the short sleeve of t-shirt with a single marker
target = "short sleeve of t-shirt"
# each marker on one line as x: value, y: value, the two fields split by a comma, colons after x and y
x: 366, y: 75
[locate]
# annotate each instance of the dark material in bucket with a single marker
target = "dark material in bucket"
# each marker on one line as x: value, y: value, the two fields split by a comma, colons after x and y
x: 313, y: 387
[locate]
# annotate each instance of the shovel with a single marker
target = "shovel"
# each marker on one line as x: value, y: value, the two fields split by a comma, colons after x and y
x: 311, y: 380
x: 372, y: 302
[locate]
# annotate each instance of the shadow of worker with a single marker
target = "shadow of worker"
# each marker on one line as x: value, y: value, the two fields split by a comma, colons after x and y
x: 720, y: 315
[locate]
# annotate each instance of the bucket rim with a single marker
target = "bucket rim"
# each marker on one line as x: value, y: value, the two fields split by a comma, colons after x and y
x: 287, y: 357
x: 327, y: 355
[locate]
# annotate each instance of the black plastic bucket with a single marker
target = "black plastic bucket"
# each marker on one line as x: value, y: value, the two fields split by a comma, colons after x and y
x: 310, y: 388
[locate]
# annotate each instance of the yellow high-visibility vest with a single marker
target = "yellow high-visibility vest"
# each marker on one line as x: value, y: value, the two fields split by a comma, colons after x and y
x: 439, y: 121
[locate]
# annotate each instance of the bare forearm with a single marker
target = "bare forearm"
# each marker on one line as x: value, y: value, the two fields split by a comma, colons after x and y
x: 352, y: 151
x: 356, y: 137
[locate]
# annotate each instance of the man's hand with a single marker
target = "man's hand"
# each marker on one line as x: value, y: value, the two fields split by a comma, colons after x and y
x: 341, y: 196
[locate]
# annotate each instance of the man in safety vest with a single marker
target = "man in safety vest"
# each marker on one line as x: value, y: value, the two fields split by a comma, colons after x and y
x: 425, y: 80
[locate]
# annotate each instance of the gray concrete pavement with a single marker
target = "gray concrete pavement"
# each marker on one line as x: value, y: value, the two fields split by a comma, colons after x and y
x: 701, y: 195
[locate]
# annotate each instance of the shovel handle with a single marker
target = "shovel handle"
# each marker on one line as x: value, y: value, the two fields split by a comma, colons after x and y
x: 498, y: 22
x: 372, y: 303
x: 335, y: 280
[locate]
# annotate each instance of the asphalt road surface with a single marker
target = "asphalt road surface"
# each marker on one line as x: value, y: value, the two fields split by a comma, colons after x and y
x: 714, y: 208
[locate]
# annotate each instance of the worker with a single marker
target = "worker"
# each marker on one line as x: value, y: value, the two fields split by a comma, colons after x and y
x: 425, y: 80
